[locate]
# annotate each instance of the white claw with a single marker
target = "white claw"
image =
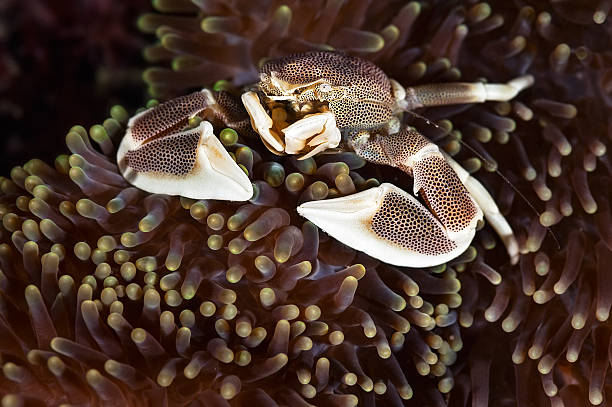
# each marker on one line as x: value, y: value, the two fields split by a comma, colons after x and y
x: 192, y: 163
x: 317, y: 130
x: 261, y: 121
x: 388, y: 224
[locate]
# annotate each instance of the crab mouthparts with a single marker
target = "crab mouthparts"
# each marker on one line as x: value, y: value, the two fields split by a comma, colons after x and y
x: 289, y: 97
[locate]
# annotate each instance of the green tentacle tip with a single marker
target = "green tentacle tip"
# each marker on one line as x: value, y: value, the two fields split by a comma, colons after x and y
x: 372, y: 183
x: 228, y: 137
x: 417, y: 69
x: 152, y: 103
x: 112, y: 126
x: 158, y: 5
x: 390, y: 33
x: 156, y: 91
x: 185, y: 62
x: 146, y: 23
x: 213, y: 24
x: 215, y: 242
x: 283, y: 11
x: 61, y: 164
x: 372, y: 42
x: 194, y: 121
x: 148, y: 75
x: 150, y: 53
x: 222, y: 85
x: 468, y: 256
x: 438, y: 269
x: 246, y: 171
x: 256, y: 192
x: 169, y: 40
x: 79, y: 130
x: 415, y: 7
x: 118, y: 113
x: 98, y: 133
x: 274, y: 174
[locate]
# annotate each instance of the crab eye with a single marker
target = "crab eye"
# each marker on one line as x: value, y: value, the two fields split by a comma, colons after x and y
x: 325, y: 87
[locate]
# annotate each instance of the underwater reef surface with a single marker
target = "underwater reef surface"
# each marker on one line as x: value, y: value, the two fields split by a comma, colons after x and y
x: 111, y: 296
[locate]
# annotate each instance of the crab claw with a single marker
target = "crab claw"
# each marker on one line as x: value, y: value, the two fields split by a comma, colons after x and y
x: 388, y: 224
x: 318, y: 131
x: 262, y: 122
x: 192, y: 163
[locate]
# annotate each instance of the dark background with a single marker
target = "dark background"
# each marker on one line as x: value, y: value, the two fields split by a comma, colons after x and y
x: 64, y: 62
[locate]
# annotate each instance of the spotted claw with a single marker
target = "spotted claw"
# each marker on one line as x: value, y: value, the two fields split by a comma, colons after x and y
x: 388, y: 224
x: 192, y: 163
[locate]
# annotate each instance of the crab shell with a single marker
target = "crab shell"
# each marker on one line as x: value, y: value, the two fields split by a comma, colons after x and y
x: 358, y: 93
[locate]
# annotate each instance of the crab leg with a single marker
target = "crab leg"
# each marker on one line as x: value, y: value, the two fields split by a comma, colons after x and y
x: 156, y: 156
x: 488, y: 206
x: 458, y: 92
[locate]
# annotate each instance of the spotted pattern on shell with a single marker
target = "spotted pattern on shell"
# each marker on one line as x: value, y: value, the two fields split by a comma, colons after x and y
x: 435, y: 94
x: 368, y: 87
x: 396, y: 146
x: 403, y: 224
x: 435, y: 178
x: 168, y: 116
x: 175, y: 154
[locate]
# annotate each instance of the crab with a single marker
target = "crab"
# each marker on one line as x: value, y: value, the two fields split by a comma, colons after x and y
x: 306, y: 104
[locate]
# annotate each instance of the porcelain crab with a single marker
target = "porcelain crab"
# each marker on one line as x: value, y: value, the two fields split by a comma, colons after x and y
x: 305, y: 104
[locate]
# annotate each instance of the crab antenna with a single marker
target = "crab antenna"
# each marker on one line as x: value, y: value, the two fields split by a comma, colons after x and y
x: 480, y: 156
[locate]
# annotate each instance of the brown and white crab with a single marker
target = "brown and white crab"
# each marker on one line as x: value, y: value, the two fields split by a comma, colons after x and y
x: 328, y: 96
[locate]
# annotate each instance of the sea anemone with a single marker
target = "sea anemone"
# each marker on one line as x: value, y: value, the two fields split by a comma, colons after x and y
x: 135, y: 298
x: 555, y: 306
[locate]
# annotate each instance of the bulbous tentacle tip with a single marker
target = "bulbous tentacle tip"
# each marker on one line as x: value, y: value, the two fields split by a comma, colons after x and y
x: 389, y: 224
x: 192, y: 163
